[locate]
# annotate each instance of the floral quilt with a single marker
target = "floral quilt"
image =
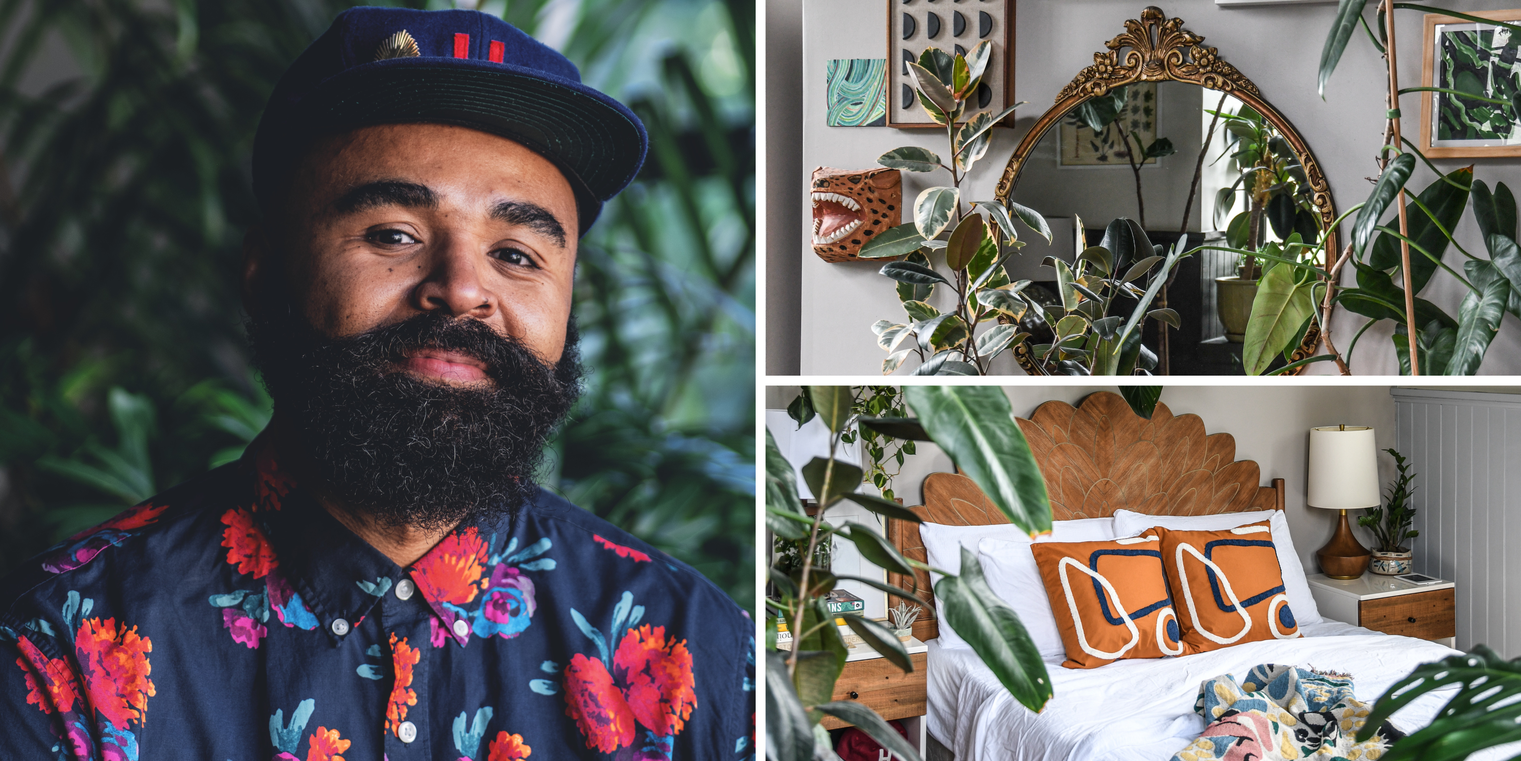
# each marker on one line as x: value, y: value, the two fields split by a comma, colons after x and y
x: 1283, y: 712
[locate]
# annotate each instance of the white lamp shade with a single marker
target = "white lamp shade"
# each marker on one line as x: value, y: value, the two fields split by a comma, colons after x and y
x: 1343, y: 468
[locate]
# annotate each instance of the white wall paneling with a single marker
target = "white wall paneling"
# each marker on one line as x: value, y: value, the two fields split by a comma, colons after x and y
x: 1462, y: 445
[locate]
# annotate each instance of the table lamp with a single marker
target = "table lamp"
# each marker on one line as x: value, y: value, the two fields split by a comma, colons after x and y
x: 1343, y: 476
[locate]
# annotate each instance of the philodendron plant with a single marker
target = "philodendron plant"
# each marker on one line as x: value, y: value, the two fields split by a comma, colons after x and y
x: 975, y: 426
x: 1391, y: 522
x: 975, y: 244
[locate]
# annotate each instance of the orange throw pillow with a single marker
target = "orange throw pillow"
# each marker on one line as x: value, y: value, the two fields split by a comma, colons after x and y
x: 1227, y: 586
x: 1110, y: 599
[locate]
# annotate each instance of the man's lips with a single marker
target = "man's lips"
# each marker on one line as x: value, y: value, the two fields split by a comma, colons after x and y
x: 445, y: 365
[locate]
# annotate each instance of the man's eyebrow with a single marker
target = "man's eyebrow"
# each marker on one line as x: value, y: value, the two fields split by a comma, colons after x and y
x: 385, y: 193
x: 532, y: 216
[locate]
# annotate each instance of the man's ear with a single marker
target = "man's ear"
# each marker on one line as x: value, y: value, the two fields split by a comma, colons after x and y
x: 257, y: 268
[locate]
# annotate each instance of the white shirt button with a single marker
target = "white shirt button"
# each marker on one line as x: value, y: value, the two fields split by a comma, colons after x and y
x: 407, y: 731
x: 340, y: 627
x: 404, y: 589
x: 461, y: 628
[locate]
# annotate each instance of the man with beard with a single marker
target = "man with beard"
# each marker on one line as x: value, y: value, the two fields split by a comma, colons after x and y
x: 379, y: 577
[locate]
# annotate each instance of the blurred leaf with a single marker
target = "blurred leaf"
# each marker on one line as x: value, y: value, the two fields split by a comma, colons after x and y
x: 832, y: 403
x: 831, y: 480
x: 1482, y: 714
x: 788, y: 735
x: 1142, y: 399
x: 873, y: 725
x: 1384, y: 192
x: 994, y: 633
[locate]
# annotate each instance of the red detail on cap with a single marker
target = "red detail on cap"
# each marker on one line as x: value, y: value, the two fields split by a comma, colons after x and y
x: 461, y: 46
x: 498, y: 51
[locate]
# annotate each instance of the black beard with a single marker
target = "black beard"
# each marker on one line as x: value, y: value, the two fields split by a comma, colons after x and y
x: 407, y: 451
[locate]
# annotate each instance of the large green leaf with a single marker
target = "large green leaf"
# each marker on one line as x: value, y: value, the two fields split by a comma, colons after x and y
x: 832, y: 404
x: 1127, y: 241
x: 882, y: 506
x: 912, y: 273
x: 1447, y: 198
x: 930, y: 86
x: 1389, y: 184
x: 933, y: 209
x: 874, y: 726
x: 1348, y: 12
x: 1506, y: 258
x: 781, y: 492
x: 1481, y: 715
x: 911, y: 158
x: 896, y: 242
x: 1282, y: 305
x: 897, y: 427
x: 831, y: 480
x: 1032, y: 219
x: 1478, y: 321
x: 881, y: 639
x: 975, y: 426
x: 788, y: 734
x: 1142, y: 399
x: 912, y: 291
x: 1495, y: 212
x: 971, y: 609
x: 877, y: 550
x: 1378, y: 297
x: 1434, y: 344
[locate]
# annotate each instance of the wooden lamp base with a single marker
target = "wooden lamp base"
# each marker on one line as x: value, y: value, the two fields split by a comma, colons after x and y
x: 1343, y: 557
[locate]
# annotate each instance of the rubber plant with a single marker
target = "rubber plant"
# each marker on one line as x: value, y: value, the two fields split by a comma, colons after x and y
x: 975, y: 426
x: 1267, y: 170
x: 1395, y: 259
x: 977, y: 237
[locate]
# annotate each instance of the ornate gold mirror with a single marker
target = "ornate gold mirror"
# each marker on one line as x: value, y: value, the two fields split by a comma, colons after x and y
x: 1161, y: 130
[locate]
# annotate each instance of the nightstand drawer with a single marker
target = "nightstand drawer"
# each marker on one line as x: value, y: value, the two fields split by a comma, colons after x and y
x: 1427, y: 615
x: 880, y: 686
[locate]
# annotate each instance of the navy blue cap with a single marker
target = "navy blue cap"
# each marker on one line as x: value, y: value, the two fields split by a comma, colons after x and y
x: 461, y: 67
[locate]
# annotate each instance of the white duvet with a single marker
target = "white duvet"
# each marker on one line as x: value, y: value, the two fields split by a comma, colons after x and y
x: 1142, y: 710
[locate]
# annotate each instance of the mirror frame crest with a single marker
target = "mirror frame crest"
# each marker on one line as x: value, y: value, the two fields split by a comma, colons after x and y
x: 1156, y: 48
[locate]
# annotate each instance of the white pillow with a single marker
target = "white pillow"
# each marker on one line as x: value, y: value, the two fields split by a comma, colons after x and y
x: 943, y: 543
x: 1301, y: 602
x: 1010, y: 568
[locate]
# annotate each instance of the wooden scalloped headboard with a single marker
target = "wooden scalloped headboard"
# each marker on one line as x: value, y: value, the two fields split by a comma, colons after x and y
x: 1096, y: 458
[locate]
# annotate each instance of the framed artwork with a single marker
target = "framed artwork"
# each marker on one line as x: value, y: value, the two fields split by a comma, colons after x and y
x: 1479, y: 61
x: 1079, y: 146
x: 857, y: 92
x: 953, y: 26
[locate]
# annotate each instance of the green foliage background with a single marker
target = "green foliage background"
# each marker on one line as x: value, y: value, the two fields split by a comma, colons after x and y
x: 124, y: 194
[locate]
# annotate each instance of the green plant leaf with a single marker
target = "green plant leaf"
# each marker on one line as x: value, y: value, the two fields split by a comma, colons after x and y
x: 1481, y: 715
x: 972, y: 141
x: 1032, y: 220
x: 1099, y: 257
x: 873, y: 725
x: 1167, y: 315
x: 1006, y: 301
x: 877, y: 550
x: 977, y: 60
x: 894, y: 361
x: 965, y: 240
x: 910, y: 291
x: 832, y: 403
x: 933, y: 209
x: 930, y: 86
x: 816, y: 673
x: 1384, y: 191
x: 1127, y: 241
x: 800, y: 410
x: 995, y: 633
x: 1281, y: 212
x: 882, y: 506
x: 1434, y: 343
x: 939, y: 63
x: 975, y: 426
x: 1064, y: 280
x: 949, y: 333
x: 781, y: 487
x: 830, y: 485
x: 1280, y: 308
x: 995, y: 339
x: 1447, y: 198
x: 1478, y: 321
x: 1505, y: 256
x: 881, y: 639
x: 911, y: 158
x: 897, y: 427
x: 788, y: 734
x: 896, y: 242
x: 956, y: 367
x: 913, y: 274
x: 1142, y: 399
x: 1348, y: 12
x: 1495, y: 212
x: 919, y: 311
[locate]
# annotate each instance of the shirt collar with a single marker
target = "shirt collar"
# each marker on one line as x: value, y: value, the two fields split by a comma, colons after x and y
x: 339, y: 575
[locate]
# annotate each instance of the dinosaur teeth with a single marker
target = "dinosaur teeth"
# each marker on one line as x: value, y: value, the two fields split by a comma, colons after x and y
x: 846, y: 201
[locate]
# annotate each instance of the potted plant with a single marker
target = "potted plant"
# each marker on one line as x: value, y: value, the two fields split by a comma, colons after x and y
x: 1391, y: 523
x: 903, y: 616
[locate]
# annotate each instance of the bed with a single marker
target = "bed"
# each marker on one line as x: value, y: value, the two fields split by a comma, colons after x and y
x: 1098, y: 458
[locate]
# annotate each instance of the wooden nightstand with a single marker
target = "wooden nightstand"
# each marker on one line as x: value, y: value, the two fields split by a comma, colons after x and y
x: 875, y: 682
x: 1389, y: 605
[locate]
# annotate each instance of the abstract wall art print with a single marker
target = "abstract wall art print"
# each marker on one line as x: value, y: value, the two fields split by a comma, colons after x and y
x: 857, y: 92
x: 1475, y: 80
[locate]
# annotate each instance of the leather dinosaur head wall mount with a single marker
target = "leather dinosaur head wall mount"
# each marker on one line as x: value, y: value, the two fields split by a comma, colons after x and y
x: 852, y: 207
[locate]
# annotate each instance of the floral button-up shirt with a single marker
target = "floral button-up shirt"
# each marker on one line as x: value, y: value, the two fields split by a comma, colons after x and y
x: 233, y: 618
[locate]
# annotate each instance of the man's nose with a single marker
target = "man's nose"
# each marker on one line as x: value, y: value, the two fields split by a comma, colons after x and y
x: 454, y: 283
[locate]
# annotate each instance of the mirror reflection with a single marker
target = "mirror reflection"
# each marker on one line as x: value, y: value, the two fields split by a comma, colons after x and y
x: 1182, y: 160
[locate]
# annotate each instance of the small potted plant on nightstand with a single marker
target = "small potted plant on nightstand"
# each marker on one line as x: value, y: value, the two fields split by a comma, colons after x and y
x: 903, y: 616
x: 1391, y: 523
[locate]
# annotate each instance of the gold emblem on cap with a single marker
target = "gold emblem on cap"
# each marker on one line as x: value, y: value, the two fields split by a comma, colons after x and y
x: 399, y: 45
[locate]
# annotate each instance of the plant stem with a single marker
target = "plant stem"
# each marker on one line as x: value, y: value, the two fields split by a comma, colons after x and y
x: 1140, y: 202
x: 1325, y: 319
x: 813, y: 543
x: 1392, y: 59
